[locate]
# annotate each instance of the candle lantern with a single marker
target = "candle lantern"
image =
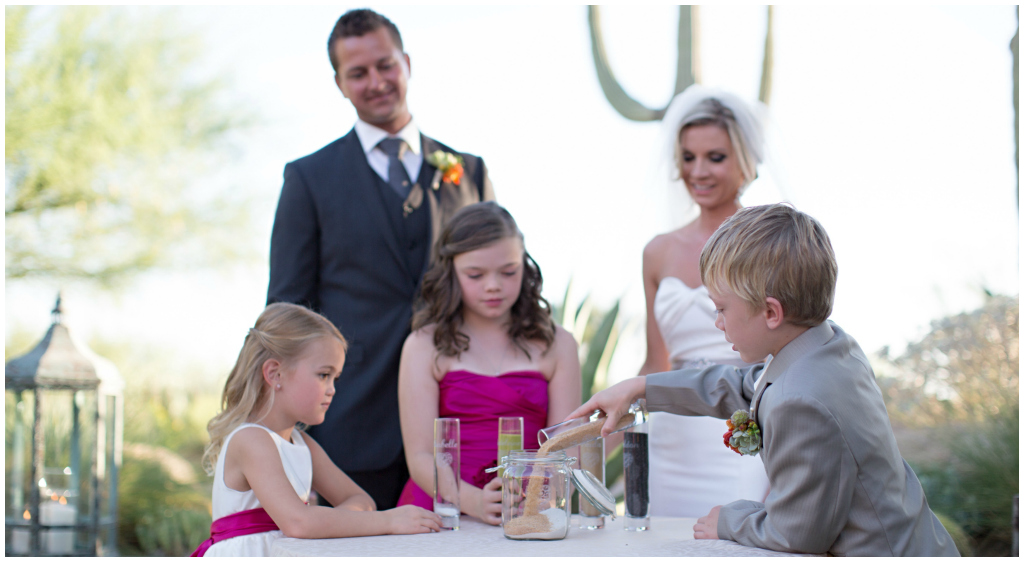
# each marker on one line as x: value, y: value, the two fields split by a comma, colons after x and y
x: 64, y: 426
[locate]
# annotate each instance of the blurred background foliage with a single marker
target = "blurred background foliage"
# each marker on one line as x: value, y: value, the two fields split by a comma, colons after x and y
x: 109, y: 120
x: 165, y: 497
x: 111, y: 124
x: 954, y: 402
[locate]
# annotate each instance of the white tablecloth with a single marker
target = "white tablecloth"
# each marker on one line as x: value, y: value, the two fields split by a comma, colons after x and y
x: 668, y: 536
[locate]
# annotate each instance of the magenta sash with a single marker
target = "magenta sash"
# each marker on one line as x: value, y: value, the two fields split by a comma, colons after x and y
x: 248, y: 522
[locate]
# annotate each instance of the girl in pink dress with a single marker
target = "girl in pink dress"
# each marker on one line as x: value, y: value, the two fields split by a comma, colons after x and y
x: 483, y: 346
x: 265, y: 466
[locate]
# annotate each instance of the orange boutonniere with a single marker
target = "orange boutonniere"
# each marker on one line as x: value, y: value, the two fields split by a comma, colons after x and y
x: 449, y: 164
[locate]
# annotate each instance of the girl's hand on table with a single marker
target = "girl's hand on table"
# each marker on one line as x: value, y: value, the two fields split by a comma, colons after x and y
x: 411, y: 520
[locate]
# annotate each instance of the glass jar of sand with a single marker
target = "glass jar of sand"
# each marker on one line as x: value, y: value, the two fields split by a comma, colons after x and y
x: 535, y: 495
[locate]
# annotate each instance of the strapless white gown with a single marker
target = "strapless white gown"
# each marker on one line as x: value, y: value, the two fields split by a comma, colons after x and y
x: 298, y: 467
x: 691, y: 470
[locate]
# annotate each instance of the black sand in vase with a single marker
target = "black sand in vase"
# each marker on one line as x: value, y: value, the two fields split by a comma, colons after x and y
x: 636, y: 468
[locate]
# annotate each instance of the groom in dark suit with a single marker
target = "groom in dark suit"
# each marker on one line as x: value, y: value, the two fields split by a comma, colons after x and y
x: 352, y: 237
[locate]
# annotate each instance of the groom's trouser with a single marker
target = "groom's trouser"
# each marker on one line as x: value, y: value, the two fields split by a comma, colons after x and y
x: 384, y: 485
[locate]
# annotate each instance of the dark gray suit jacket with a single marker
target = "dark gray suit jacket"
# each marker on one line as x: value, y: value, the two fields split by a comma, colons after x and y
x: 335, y: 250
x: 838, y: 482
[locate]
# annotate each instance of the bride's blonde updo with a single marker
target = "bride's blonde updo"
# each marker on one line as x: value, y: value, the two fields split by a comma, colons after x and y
x: 282, y: 332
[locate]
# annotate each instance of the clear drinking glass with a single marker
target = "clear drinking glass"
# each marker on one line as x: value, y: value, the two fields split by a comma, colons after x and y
x: 446, y: 472
x: 580, y: 430
x: 592, y: 460
x: 510, y: 438
x: 636, y: 469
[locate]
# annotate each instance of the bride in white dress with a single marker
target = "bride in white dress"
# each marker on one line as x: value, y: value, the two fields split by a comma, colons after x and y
x: 717, y: 143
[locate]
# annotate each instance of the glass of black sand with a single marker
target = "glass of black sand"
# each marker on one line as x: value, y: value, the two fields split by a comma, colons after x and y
x: 636, y: 468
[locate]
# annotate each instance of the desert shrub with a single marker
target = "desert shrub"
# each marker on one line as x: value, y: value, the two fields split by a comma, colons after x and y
x: 151, y: 501
x: 960, y: 538
x: 959, y: 387
x: 175, y: 535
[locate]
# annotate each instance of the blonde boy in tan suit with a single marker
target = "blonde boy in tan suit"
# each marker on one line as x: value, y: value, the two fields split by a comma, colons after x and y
x: 838, y: 482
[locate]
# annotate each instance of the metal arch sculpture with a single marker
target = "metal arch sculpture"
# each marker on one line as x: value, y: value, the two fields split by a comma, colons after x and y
x: 687, y: 66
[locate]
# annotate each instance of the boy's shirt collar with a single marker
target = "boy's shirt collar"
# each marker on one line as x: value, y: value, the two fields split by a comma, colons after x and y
x: 760, y: 377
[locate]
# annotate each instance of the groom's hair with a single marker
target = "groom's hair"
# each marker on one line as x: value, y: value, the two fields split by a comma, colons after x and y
x: 773, y: 251
x: 356, y: 23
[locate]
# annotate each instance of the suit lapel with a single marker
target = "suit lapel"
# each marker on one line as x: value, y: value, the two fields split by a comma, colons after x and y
x: 429, y: 181
x: 427, y: 171
x: 366, y: 184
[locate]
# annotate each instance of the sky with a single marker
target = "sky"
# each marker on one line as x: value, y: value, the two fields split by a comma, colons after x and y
x: 893, y: 126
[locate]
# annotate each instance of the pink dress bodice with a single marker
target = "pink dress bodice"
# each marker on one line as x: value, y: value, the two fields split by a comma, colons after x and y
x: 478, y: 401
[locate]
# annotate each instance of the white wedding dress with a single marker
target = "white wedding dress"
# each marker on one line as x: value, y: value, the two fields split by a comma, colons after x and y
x: 298, y: 467
x: 691, y: 469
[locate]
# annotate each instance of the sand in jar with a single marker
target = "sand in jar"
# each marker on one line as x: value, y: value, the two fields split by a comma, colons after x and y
x: 544, y: 480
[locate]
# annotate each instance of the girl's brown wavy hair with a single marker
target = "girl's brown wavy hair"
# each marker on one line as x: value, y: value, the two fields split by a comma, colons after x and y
x: 440, y: 303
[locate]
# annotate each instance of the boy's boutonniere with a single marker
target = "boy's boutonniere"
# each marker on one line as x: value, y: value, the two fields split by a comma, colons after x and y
x: 743, y: 436
x: 449, y: 164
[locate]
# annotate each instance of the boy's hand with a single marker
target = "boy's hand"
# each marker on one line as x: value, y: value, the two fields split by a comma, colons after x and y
x: 707, y: 526
x: 410, y: 520
x: 490, y: 502
x: 613, y: 401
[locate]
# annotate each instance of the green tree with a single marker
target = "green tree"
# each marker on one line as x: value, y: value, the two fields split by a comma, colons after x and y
x: 110, y: 122
x: 966, y: 370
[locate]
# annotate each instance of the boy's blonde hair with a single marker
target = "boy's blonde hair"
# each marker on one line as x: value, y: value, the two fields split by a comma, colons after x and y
x: 773, y: 251
x: 282, y: 332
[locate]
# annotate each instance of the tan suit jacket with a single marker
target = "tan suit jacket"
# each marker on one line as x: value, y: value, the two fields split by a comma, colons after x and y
x: 838, y: 482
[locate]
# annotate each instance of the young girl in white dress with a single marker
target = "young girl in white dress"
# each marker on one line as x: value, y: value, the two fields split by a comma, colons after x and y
x: 264, y: 465
x: 716, y: 144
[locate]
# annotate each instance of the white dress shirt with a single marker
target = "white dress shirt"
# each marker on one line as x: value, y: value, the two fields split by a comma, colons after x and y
x: 370, y: 136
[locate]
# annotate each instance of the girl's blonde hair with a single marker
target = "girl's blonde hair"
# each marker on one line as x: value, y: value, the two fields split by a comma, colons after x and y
x: 282, y: 332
